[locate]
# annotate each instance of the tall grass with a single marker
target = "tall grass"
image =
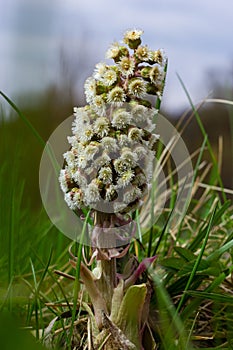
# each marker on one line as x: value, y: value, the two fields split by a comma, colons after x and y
x: 31, y: 247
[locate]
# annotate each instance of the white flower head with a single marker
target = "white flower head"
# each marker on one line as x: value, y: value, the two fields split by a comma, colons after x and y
x: 113, y: 51
x: 133, y: 194
x: 116, y: 96
x: 99, y: 70
x: 80, y: 179
x: 135, y: 134
x: 86, y: 134
x: 105, y: 174
x: 143, y: 117
x: 120, y: 118
x: 143, y: 53
x: 73, y: 141
x: 137, y: 87
x: 70, y: 158
x: 156, y: 75
x: 102, y: 160
x: 125, y: 178
x: 141, y: 151
x: 133, y: 38
x: 82, y: 118
x: 65, y: 180
x: 139, y: 113
x: 90, y: 89
x: 159, y: 57
x: 99, y: 105
x: 129, y: 157
x: 126, y: 66
x: 124, y: 140
x: 152, y: 140
x: 92, y: 194
x: 74, y: 198
x: 120, y: 165
x: 109, y: 77
x: 81, y: 161
x: 111, y: 193
x: 109, y: 143
x: 91, y: 151
x: 101, y: 126
x: 77, y: 198
x: 69, y: 200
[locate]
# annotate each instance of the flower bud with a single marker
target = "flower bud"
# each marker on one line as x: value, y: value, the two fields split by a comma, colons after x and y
x: 151, y: 89
x: 142, y: 54
x: 145, y: 72
x: 133, y: 38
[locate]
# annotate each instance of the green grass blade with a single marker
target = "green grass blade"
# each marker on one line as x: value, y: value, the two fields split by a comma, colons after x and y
x: 201, y: 126
x: 45, y: 270
x: 24, y: 118
x: 198, y: 260
x: 7, y: 296
x: 168, y: 220
x: 35, y: 304
x: 194, y: 304
x: 173, y: 326
x: 152, y: 220
x: 220, y: 298
x: 56, y: 281
x: 218, y: 252
x: 77, y: 277
x: 11, y: 248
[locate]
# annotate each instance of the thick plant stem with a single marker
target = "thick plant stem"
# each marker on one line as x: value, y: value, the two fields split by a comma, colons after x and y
x: 108, y: 280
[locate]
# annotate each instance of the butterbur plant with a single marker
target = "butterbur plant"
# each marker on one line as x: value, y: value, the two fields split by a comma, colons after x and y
x: 151, y: 224
x: 107, y: 173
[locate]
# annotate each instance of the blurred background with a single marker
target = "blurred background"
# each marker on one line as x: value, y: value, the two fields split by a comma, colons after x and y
x: 49, y: 48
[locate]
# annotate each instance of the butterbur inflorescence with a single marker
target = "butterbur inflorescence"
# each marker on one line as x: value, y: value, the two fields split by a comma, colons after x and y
x: 110, y: 161
x: 107, y: 172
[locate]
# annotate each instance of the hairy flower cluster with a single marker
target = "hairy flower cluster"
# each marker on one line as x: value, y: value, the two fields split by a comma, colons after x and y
x: 138, y: 71
x: 110, y: 161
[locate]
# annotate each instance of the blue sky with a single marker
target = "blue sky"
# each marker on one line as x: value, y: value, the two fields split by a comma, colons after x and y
x: 196, y: 35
